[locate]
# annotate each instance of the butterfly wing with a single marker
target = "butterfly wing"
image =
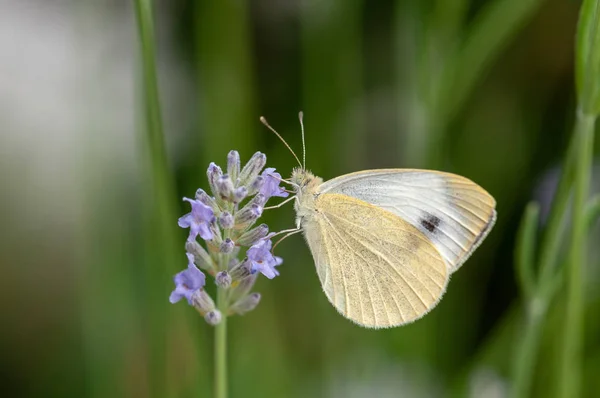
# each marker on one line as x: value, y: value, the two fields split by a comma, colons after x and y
x: 453, y: 212
x: 376, y: 269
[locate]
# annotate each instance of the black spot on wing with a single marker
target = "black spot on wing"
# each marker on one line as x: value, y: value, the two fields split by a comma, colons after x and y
x: 430, y: 223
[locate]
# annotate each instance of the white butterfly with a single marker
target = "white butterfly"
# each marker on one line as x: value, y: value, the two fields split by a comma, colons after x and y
x: 386, y: 241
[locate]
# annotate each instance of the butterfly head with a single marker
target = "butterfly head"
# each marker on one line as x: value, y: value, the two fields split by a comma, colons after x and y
x: 305, y: 180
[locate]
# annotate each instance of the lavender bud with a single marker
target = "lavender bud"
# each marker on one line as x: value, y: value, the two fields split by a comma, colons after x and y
x: 259, y: 200
x: 250, y: 237
x: 241, y: 271
x: 248, y: 215
x: 223, y: 280
x: 203, y: 302
x: 240, y: 194
x: 225, y: 187
x: 252, y: 168
x: 226, y: 220
x: 227, y: 246
x: 207, y: 200
x: 213, y: 318
x: 216, y: 232
x: 233, y: 164
x: 213, y: 173
x: 250, y: 212
x: 256, y: 185
x: 234, y: 262
x: 243, y: 287
x: 201, y: 257
x: 246, y: 304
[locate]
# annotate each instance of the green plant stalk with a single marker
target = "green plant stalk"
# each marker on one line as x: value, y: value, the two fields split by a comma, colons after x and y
x: 569, y: 377
x: 525, y: 253
x: 556, y: 221
x: 535, y: 310
x: 162, y: 234
x: 593, y: 212
x: 221, y: 346
x: 545, y: 288
x: 524, y: 362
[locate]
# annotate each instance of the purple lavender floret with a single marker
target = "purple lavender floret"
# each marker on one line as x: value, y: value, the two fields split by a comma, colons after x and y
x: 271, y: 187
x: 187, y: 282
x: 198, y: 220
x: 262, y: 260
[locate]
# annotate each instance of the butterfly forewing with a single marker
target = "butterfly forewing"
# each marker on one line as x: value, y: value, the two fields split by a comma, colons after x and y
x: 451, y: 211
x: 376, y: 268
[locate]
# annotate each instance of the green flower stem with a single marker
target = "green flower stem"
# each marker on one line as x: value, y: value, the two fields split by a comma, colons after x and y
x: 221, y: 346
x: 221, y: 329
x: 569, y: 379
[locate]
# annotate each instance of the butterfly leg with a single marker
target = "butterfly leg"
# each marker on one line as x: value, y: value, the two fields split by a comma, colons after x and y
x: 284, y: 181
x: 289, y: 233
x: 280, y: 204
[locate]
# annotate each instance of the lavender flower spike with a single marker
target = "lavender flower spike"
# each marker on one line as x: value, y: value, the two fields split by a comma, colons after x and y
x: 262, y: 260
x: 198, y: 220
x: 271, y: 186
x: 187, y: 282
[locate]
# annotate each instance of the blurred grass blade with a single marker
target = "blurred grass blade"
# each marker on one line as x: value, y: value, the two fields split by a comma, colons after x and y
x: 554, y: 231
x: 228, y: 115
x: 525, y: 252
x: 331, y: 90
x: 587, y: 67
x: 535, y: 307
x: 573, y: 336
x: 448, y: 17
x: 587, y: 64
x: 159, y: 247
x: 444, y: 70
x: 592, y: 213
x: 492, y: 30
x: 525, y: 351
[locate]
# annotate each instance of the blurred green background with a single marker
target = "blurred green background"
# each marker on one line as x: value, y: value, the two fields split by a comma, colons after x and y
x: 479, y: 88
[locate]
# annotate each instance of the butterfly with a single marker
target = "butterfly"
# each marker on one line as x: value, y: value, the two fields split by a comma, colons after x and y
x: 385, y: 242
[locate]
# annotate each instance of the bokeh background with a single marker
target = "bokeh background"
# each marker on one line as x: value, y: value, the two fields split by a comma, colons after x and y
x: 479, y: 88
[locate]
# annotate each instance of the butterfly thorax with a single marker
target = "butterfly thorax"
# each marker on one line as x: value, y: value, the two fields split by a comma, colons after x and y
x: 306, y: 193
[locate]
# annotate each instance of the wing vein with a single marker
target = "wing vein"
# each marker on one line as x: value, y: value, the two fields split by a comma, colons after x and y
x: 394, y: 268
x: 362, y: 317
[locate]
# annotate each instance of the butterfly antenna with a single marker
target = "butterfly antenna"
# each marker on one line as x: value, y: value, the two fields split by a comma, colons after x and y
x: 264, y: 121
x: 301, y: 117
